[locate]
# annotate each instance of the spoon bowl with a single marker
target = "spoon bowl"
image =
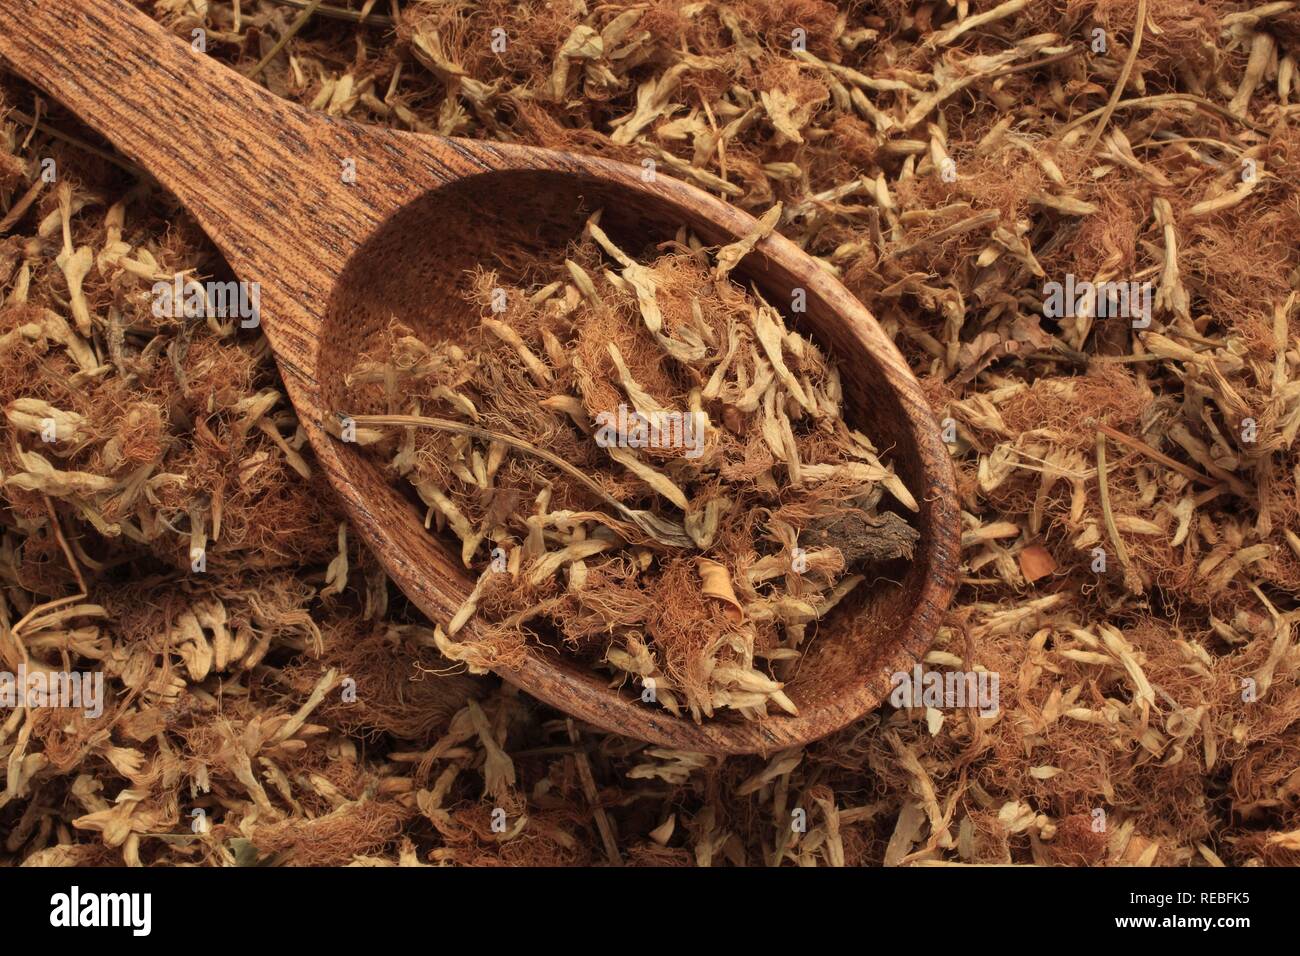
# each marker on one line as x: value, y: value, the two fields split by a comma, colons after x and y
x: 345, y: 227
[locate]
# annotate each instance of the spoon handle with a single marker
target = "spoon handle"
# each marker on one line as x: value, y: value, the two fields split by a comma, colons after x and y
x: 266, y: 179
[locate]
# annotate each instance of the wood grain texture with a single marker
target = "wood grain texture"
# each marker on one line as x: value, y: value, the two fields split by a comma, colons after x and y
x: 263, y: 178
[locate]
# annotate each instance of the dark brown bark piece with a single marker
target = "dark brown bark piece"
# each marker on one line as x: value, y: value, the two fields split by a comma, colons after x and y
x: 863, y: 537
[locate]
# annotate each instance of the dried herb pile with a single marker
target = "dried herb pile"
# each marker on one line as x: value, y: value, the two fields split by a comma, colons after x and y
x: 1131, y: 495
x: 644, y: 460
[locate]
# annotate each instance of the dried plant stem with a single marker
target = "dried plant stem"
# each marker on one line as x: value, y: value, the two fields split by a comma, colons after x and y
x: 978, y: 221
x: 1192, y: 337
x: 21, y: 206
x: 1126, y: 359
x: 1138, y: 445
x: 662, y: 530
x: 593, y: 795
x: 63, y: 544
x: 1155, y: 102
x: 1045, y: 61
x: 1107, y: 515
x: 340, y: 13
x: 53, y: 133
x: 39, y: 610
x: 307, y: 11
x: 1120, y: 83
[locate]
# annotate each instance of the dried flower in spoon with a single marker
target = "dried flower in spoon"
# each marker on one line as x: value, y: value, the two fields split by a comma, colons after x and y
x: 644, y: 466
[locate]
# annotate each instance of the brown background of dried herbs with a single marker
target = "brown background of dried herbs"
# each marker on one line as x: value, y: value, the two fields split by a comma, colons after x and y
x: 1121, y: 691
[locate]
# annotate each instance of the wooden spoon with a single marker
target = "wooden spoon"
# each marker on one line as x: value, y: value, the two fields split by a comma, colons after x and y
x: 345, y: 226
